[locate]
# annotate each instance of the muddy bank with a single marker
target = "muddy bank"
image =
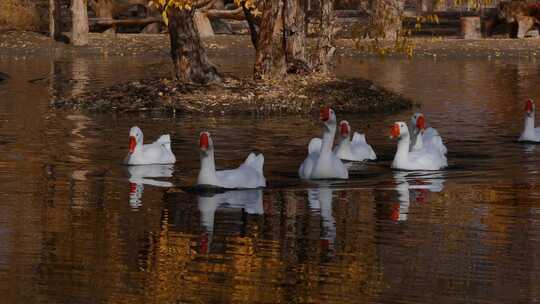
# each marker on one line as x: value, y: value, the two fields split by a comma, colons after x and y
x: 293, y: 95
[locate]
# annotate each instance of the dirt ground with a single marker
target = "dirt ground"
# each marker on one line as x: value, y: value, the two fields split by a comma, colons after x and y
x: 19, y: 42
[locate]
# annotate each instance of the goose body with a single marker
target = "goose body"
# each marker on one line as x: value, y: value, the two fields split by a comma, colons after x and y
x: 415, y: 160
x: 322, y: 162
x: 423, y: 138
x: 530, y: 133
x: 158, y: 152
x: 248, y: 175
x: 356, y: 150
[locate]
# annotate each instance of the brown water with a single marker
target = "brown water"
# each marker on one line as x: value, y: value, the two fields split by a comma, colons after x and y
x: 77, y: 227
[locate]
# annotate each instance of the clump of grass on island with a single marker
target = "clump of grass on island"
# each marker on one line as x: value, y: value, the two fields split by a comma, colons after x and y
x: 293, y: 95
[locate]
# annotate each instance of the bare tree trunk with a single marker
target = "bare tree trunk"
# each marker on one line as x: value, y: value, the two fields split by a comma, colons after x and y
x: 326, y: 39
x: 55, y: 22
x: 295, y: 36
x: 387, y: 16
x: 270, y: 59
x: 187, y: 51
x: 79, y: 32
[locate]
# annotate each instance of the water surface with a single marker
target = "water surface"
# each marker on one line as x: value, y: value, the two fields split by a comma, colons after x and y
x: 77, y: 227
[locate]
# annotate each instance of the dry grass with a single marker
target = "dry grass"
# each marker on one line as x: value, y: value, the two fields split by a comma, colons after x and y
x: 22, y: 15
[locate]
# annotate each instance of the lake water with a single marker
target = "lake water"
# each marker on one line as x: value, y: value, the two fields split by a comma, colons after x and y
x: 78, y: 227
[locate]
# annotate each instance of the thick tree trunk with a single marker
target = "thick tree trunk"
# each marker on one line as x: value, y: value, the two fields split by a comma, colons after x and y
x: 187, y: 51
x: 202, y: 24
x: 293, y: 19
x: 55, y: 22
x: 326, y: 39
x: 79, y: 32
x: 470, y: 28
x: 387, y: 17
x: 269, y: 58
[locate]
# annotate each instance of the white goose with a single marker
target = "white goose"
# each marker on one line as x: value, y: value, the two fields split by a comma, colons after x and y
x: 158, y: 152
x: 248, y: 175
x: 416, y: 160
x: 321, y: 162
x: 357, y: 150
x: 530, y: 133
x: 425, y: 138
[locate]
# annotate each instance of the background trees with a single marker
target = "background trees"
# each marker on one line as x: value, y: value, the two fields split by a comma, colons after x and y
x: 278, y: 31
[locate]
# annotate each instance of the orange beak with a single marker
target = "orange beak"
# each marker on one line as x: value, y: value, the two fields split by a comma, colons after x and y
x: 325, y: 113
x: 421, y: 122
x: 394, y: 132
x: 132, y: 144
x: 344, y: 129
x: 529, y: 106
x: 203, y: 141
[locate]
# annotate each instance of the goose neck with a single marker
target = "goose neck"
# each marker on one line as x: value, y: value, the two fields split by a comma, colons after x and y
x: 328, y: 138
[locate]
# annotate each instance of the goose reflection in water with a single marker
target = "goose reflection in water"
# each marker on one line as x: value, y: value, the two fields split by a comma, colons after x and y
x: 250, y: 201
x: 413, y: 187
x: 320, y: 200
x: 143, y: 175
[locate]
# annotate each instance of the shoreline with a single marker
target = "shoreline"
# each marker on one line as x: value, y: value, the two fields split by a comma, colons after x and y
x: 243, y: 95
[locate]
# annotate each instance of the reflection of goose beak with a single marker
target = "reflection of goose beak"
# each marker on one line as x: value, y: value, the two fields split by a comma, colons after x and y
x: 203, y: 243
x: 421, y: 195
x: 394, y: 215
x: 325, y: 244
x: 132, y: 188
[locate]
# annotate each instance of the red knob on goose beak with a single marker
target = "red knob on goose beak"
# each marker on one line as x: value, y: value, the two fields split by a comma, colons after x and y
x: 203, y: 141
x: 344, y: 129
x: 204, y: 242
x: 394, y: 132
x: 421, y: 122
x: 325, y: 113
x: 132, y: 144
x: 529, y: 106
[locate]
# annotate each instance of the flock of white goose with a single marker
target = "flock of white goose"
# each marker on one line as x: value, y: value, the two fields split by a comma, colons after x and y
x: 418, y: 148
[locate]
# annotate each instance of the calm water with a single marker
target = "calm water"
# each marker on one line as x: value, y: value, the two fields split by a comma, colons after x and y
x: 77, y: 227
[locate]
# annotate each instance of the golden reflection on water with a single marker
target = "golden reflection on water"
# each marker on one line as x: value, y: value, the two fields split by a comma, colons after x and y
x: 77, y: 227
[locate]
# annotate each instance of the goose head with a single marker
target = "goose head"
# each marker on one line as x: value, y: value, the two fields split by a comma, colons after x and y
x: 328, y: 117
x: 205, y: 142
x: 418, y: 121
x: 399, y: 130
x: 135, y: 138
x: 344, y: 129
x: 530, y: 108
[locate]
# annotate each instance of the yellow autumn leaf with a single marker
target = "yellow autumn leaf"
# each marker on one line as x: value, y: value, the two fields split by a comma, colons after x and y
x: 165, y: 17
